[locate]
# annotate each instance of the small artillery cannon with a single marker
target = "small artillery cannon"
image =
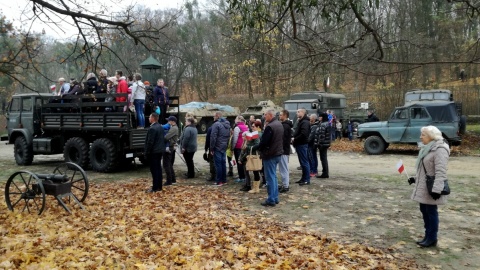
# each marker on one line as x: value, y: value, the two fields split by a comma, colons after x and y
x: 26, y: 190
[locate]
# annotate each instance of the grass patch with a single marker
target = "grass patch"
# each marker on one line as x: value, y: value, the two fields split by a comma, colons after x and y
x: 475, y: 128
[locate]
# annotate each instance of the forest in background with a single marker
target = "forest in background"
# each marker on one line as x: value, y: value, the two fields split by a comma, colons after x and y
x: 248, y: 51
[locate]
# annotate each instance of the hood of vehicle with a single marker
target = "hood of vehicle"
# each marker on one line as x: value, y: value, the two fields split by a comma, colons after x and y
x: 372, y: 125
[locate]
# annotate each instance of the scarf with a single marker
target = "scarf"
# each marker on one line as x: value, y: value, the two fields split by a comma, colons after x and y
x: 423, y: 152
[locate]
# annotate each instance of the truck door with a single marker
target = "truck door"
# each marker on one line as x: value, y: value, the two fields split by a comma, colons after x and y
x: 13, y: 114
x: 397, y: 125
x: 27, y: 114
x: 419, y: 119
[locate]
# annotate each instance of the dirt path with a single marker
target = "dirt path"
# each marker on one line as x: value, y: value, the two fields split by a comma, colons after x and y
x: 366, y: 201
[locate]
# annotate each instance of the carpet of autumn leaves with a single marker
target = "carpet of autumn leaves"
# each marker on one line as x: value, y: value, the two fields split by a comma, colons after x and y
x: 183, y: 227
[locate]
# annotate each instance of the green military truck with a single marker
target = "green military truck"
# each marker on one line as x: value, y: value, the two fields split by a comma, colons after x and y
x: 77, y: 126
x: 423, y: 96
x: 316, y: 102
x: 404, y: 124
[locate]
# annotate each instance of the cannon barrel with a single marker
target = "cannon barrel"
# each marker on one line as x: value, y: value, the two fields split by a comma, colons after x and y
x: 52, y: 177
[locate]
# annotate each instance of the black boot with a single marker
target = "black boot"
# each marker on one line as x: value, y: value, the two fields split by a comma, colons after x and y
x: 420, y: 241
x: 428, y: 243
x: 246, y: 188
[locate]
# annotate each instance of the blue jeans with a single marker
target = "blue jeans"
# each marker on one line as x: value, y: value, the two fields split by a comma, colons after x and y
x: 270, y: 169
x: 312, y: 157
x: 304, y: 162
x: 220, y: 161
x: 139, y: 103
x: 430, y: 220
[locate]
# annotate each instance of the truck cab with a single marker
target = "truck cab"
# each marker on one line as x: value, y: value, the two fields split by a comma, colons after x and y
x: 315, y: 102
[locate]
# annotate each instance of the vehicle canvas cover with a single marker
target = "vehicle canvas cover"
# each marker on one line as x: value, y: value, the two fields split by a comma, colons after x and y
x: 440, y: 111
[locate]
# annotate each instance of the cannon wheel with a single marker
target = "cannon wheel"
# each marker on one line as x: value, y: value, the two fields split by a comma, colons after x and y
x: 24, y: 191
x: 78, y: 178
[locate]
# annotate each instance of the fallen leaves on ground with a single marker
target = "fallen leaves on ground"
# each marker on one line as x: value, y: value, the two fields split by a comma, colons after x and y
x: 184, y: 227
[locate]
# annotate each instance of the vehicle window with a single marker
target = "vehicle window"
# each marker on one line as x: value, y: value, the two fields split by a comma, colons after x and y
x: 306, y: 105
x: 442, y: 96
x: 399, y: 114
x: 290, y: 106
x: 419, y: 113
x: 15, y: 105
x: 427, y: 96
x: 27, y: 104
x: 411, y: 97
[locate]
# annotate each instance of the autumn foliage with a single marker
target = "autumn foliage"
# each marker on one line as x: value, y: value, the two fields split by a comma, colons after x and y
x: 184, y: 227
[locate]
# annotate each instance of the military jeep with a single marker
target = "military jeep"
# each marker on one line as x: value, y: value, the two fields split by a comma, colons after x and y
x: 403, y: 126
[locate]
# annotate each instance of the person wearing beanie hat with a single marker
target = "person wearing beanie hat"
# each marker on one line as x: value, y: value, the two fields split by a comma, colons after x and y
x: 170, y: 140
x: 322, y: 140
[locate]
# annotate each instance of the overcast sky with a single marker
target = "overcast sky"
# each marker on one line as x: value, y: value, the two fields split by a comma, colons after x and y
x: 20, y: 11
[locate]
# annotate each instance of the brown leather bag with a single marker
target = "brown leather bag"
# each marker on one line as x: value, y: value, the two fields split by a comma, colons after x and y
x: 254, y: 162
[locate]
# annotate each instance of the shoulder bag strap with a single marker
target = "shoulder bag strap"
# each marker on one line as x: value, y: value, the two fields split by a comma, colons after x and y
x: 425, y: 170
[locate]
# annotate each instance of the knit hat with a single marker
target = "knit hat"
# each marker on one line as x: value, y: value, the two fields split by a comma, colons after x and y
x: 113, y: 79
x: 146, y: 83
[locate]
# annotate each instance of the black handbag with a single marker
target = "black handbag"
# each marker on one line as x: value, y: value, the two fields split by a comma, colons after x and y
x: 431, y: 180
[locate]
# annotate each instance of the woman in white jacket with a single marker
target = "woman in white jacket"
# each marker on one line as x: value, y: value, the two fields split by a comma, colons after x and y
x: 432, y: 160
x: 138, y: 97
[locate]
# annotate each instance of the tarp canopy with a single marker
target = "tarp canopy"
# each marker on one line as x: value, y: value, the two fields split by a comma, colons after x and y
x: 208, y: 106
x: 440, y: 111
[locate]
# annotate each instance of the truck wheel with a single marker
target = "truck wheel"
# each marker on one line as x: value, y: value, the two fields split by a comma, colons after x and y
x: 374, y: 145
x: 103, y: 155
x: 76, y: 151
x: 23, y: 153
x: 463, y: 124
x: 202, y: 127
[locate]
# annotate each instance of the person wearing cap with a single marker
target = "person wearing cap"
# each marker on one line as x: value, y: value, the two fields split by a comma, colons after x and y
x: 170, y: 138
x: 64, y: 87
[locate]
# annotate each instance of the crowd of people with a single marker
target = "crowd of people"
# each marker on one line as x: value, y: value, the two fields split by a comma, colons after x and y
x: 274, y: 141
x: 137, y: 93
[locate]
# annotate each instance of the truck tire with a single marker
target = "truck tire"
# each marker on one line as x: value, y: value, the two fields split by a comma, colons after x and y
x: 23, y: 153
x: 374, y: 145
x: 202, y: 127
x: 76, y: 151
x: 103, y: 155
x: 463, y: 124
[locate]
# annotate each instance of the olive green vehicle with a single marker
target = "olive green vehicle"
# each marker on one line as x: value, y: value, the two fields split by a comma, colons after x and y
x: 316, y: 102
x: 258, y: 110
x: 203, y: 113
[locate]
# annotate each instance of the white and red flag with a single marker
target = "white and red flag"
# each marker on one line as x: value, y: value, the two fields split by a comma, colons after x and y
x: 252, y: 135
x: 400, y: 167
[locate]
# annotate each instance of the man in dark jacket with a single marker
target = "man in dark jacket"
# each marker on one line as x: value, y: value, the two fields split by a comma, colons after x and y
x: 371, y: 117
x: 300, y: 142
x: 161, y: 97
x: 322, y: 141
x: 213, y: 173
x: 271, y: 149
x: 312, y: 149
x: 218, y: 147
x: 154, y: 148
x: 287, y: 137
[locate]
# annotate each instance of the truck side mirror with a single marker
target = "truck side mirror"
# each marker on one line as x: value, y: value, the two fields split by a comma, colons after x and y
x: 320, y: 99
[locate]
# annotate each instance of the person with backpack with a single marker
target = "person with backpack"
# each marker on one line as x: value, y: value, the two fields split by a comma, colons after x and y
x: 322, y: 141
x: 91, y: 85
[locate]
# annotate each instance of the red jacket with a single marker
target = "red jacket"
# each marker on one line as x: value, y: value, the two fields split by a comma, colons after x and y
x: 122, y: 89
